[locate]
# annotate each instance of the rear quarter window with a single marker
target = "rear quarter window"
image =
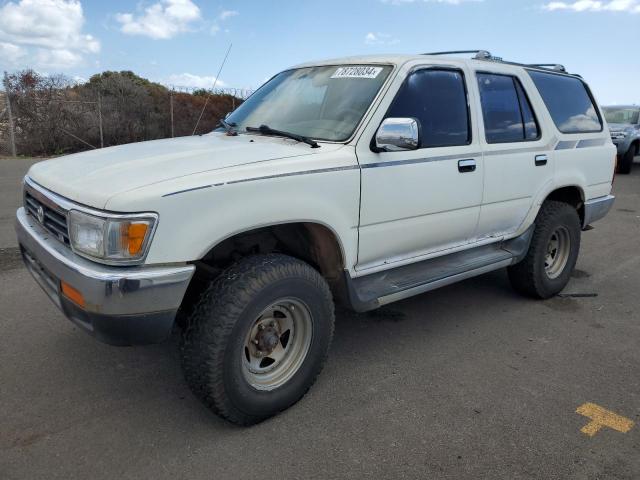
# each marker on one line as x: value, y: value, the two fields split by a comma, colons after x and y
x: 568, y: 101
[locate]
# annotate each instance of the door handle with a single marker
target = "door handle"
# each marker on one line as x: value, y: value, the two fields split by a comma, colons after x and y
x: 468, y: 165
x: 541, y: 160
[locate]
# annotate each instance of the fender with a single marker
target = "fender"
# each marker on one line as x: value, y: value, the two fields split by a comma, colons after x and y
x: 547, y: 189
x: 324, y: 190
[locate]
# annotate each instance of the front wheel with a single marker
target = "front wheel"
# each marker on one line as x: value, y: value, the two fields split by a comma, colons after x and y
x: 552, y: 254
x: 258, y: 337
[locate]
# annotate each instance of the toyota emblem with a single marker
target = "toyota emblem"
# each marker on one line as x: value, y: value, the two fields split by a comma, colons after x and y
x: 40, y: 214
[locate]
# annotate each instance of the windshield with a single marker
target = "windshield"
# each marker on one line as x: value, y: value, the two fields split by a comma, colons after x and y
x: 323, y: 103
x: 621, y: 115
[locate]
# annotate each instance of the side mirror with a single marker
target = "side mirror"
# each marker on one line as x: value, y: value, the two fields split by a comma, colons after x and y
x: 398, y: 134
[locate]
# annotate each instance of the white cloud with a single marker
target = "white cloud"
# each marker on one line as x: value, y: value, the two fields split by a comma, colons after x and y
x: 378, y: 38
x: 44, y: 33
x: 228, y: 13
x: 12, y: 53
x: 162, y: 20
x: 224, y: 15
x: 192, y: 81
x: 631, y: 6
x: 56, y: 59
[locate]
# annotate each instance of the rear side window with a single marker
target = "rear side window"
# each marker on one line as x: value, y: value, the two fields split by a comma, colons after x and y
x: 438, y: 100
x: 568, y: 102
x: 507, y: 113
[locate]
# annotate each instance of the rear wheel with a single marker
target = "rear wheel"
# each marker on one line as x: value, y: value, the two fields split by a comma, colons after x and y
x: 553, y: 252
x: 258, y: 337
x: 626, y: 161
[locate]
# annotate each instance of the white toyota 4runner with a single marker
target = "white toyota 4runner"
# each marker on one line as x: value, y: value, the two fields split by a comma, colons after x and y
x: 360, y: 180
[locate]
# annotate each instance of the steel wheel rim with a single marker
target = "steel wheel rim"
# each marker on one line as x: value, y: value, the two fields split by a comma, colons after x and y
x: 277, y: 344
x: 557, y: 254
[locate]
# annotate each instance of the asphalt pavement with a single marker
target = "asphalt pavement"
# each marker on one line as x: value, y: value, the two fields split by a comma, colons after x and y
x: 470, y: 381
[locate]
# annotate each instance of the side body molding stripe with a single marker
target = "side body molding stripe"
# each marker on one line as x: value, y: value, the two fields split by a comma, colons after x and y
x: 562, y: 145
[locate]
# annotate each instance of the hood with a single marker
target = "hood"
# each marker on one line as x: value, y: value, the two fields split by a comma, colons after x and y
x: 93, y: 177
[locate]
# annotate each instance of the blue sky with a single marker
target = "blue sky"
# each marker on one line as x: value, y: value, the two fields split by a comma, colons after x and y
x: 182, y: 42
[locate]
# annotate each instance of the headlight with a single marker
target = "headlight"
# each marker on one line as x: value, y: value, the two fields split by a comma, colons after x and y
x: 118, y: 239
x: 618, y: 134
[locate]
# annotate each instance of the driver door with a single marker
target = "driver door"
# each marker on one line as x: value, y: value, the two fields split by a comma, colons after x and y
x: 423, y: 201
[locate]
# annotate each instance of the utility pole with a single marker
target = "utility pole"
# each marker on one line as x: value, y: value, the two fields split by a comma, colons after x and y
x: 12, y: 138
x: 100, y: 119
x: 171, y: 109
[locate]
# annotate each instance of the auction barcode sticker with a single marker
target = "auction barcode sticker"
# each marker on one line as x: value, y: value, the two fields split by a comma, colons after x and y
x: 357, y: 72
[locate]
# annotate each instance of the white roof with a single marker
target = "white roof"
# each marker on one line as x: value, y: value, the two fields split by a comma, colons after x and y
x: 400, y: 59
x: 366, y: 59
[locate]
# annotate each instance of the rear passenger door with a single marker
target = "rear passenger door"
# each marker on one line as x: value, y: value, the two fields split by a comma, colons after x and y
x: 518, y: 159
x: 418, y: 202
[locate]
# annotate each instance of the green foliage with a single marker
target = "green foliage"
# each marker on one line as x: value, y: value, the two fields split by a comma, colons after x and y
x: 124, y: 75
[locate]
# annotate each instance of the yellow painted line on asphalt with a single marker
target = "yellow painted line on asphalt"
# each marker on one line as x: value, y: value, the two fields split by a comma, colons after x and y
x: 601, y: 417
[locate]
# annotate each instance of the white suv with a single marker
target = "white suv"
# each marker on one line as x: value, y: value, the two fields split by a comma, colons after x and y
x: 365, y: 180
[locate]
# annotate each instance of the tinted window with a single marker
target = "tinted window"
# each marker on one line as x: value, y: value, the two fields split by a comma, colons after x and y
x: 506, y: 111
x: 438, y: 100
x: 568, y: 101
x: 621, y: 114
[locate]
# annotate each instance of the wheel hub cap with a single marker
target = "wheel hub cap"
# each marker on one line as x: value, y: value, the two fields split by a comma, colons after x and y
x: 558, y: 251
x: 277, y: 344
x: 267, y: 339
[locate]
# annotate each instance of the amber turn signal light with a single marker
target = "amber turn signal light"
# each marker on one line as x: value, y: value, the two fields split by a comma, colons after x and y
x: 133, y: 235
x: 72, y: 294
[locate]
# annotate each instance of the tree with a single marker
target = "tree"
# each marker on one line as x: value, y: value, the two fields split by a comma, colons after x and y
x: 54, y: 115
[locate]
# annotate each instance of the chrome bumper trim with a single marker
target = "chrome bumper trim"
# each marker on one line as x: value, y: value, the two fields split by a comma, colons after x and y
x: 597, y: 208
x: 118, y: 292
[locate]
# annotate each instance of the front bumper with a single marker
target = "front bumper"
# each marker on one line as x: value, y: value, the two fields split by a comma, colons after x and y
x: 597, y: 208
x: 122, y: 305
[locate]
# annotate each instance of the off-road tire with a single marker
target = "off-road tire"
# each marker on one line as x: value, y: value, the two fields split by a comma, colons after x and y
x: 215, y: 332
x: 529, y: 277
x: 626, y: 161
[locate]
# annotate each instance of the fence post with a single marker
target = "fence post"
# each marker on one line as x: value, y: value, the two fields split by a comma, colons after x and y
x: 171, y: 109
x: 100, y: 119
x: 12, y: 138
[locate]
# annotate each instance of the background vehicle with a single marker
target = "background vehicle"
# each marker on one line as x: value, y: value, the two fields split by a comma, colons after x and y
x: 365, y: 180
x: 624, y: 125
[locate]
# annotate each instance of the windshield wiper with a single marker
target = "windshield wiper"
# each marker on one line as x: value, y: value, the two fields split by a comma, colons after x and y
x: 267, y: 130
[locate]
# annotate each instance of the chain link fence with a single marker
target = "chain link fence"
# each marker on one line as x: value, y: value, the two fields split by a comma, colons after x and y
x: 49, y: 115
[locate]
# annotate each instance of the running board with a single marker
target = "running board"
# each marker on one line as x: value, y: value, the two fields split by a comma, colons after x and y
x: 372, y: 291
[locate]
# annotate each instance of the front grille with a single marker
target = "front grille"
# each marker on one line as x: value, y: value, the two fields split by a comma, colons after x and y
x: 54, y: 217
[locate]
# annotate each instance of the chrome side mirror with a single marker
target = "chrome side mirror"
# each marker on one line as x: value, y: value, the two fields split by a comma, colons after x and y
x: 398, y: 134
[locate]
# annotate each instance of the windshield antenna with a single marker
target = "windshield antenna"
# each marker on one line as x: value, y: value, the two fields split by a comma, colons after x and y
x: 212, y: 89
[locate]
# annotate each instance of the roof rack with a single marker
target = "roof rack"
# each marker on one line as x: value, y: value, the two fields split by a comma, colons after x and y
x: 480, y: 54
x: 486, y: 55
x: 553, y: 66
